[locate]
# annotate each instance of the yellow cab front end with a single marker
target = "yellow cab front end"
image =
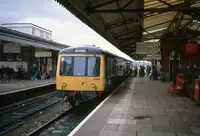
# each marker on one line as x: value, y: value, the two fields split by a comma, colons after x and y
x: 81, y: 73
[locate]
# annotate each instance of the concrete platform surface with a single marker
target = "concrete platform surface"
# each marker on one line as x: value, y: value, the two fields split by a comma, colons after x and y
x: 142, y: 107
x: 21, y: 85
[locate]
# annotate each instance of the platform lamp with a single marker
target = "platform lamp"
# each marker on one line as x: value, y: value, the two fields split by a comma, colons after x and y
x: 191, y: 48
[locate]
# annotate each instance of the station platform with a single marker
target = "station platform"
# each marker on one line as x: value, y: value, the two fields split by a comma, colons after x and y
x: 22, y: 85
x: 143, y: 107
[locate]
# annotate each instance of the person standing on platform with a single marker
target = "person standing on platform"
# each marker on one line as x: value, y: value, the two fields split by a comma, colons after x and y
x: 148, y: 70
x: 135, y: 71
x: 44, y: 72
x: 8, y: 73
x: 35, y: 72
x: 20, y: 72
x: 2, y: 73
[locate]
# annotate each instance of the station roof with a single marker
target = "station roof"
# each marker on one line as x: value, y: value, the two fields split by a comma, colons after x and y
x: 8, y: 35
x: 125, y: 22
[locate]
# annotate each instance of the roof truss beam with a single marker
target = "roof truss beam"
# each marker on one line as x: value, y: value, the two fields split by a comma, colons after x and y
x: 120, y: 23
x: 128, y: 4
x: 164, y: 2
x: 157, y: 24
x: 123, y: 20
x: 104, y: 4
x: 155, y: 37
x: 185, y: 6
x: 159, y: 10
x: 151, y: 38
x: 130, y: 33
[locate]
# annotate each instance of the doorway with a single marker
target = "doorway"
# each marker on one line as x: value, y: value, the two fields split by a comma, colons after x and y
x: 171, y: 62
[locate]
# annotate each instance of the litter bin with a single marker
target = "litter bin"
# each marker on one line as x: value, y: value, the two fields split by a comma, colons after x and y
x: 197, y: 90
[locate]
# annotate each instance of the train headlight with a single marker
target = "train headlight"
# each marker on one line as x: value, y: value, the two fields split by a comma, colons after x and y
x: 64, y: 85
x: 93, y: 86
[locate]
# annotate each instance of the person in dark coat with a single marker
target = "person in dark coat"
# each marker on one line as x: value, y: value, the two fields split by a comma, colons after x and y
x: 20, y: 72
x: 8, y: 73
x: 35, y: 73
x: 2, y: 73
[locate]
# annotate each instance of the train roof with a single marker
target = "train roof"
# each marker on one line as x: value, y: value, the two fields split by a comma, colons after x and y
x: 82, y: 49
x: 87, y: 49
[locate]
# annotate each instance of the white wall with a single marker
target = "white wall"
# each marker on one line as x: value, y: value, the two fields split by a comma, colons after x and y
x: 37, y: 33
x: 27, y: 30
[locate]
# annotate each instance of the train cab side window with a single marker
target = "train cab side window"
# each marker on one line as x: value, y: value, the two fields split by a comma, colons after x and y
x: 66, y: 66
x: 113, y: 66
x: 109, y: 67
x: 93, y: 66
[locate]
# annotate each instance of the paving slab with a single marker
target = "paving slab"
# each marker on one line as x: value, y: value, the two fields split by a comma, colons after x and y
x: 118, y: 133
x: 187, y: 134
x: 143, y: 107
x: 166, y: 128
x: 155, y: 134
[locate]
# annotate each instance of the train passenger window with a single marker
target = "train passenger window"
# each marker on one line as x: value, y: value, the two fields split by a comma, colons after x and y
x: 66, y: 66
x: 93, y: 66
x: 79, y: 66
x: 109, y: 67
x: 113, y: 66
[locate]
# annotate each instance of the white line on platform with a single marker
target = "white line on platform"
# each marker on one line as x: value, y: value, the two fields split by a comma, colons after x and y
x: 90, y: 115
x: 20, y: 90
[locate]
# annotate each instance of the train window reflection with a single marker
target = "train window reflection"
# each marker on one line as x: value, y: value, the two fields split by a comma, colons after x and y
x: 79, y: 66
x: 93, y: 66
x: 66, y: 66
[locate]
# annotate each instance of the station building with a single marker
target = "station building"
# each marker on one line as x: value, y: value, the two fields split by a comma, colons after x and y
x: 26, y: 44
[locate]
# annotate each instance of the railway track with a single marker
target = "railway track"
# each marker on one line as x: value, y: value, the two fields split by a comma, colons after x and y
x: 18, y: 105
x: 56, y: 119
x: 12, y: 118
x: 65, y: 122
x: 50, y: 122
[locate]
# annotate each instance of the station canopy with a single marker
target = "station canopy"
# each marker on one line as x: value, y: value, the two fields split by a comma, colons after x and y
x: 126, y: 22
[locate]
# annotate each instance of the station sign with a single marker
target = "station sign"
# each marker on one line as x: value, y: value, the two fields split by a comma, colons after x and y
x: 11, y: 48
x: 148, y: 48
x: 153, y: 57
x: 43, y: 54
x: 145, y: 48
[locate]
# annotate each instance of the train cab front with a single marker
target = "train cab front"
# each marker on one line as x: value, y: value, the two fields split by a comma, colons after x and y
x: 79, y: 77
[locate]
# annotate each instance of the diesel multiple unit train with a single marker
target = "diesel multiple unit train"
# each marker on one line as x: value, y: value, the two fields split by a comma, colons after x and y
x: 88, y: 72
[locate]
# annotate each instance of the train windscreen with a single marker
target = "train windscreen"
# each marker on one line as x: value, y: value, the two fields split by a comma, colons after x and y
x: 93, y: 66
x: 80, y: 66
x: 66, y: 66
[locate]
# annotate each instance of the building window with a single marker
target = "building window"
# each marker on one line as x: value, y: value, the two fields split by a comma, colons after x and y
x: 19, y: 57
x: 41, y: 34
x: 47, y: 36
x: 10, y: 57
x: 33, y: 31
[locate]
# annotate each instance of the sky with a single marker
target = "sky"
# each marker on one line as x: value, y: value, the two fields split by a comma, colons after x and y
x: 65, y: 27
